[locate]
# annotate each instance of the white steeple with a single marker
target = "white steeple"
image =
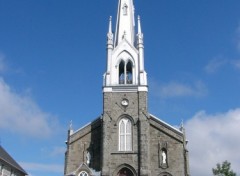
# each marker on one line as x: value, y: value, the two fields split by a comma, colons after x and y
x: 125, y: 52
x: 125, y: 22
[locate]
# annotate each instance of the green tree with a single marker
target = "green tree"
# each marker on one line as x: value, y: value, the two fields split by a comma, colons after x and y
x: 223, y: 169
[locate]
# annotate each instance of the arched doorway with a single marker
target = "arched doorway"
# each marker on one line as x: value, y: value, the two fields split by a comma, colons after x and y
x: 165, y: 174
x: 125, y: 172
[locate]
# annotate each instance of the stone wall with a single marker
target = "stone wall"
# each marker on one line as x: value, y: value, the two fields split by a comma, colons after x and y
x: 161, y: 138
x: 113, y: 113
x: 87, y: 139
x: 149, y: 137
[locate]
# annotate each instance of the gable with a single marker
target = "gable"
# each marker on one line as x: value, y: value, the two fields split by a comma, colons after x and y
x: 84, y: 146
x: 166, y: 128
x: 85, y: 130
x: 125, y: 45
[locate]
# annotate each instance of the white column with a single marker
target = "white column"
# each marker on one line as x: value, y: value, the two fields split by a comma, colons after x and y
x: 109, y: 53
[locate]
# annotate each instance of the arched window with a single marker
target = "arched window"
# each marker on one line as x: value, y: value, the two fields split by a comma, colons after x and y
x: 125, y: 135
x: 125, y: 71
x: 165, y: 174
x: 125, y: 172
x: 83, y: 173
x: 121, y: 73
x: 129, y: 72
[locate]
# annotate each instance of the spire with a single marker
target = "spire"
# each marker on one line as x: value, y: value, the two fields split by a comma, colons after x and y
x: 110, y: 25
x: 139, y: 25
x: 125, y: 52
x: 110, y: 34
x: 125, y: 22
x: 139, y: 34
x: 109, y: 52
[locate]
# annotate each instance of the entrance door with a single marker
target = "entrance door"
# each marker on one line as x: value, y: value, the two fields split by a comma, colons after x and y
x: 125, y: 172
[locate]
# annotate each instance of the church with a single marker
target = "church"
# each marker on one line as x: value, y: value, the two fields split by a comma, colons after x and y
x: 126, y: 140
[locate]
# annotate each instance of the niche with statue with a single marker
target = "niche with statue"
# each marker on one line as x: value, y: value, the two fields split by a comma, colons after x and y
x: 163, y: 155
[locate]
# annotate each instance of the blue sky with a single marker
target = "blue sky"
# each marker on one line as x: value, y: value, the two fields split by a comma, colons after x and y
x: 52, y: 58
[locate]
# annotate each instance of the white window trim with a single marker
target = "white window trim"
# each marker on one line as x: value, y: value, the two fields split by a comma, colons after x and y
x: 127, y: 144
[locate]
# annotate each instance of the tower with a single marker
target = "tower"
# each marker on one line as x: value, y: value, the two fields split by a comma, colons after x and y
x: 126, y: 140
x: 125, y: 97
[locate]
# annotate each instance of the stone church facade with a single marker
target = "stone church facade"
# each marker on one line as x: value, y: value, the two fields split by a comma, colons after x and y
x: 126, y: 140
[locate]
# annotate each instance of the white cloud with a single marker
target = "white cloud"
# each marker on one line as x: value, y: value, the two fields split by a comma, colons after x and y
x: 53, y: 168
x: 213, y: 139
x: 20, y: 114
x: 176, y: 89
x: 215, y: 64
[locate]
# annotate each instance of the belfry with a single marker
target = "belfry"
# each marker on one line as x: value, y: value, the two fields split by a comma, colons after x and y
x: 126, y: 140
x: 125, y: 52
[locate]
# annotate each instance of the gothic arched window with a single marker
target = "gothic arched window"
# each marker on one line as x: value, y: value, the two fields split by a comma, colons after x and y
x: 121, y: 73
x: 125, y: 135
x: 129, y: 72
x: 165, y: 174
x: 125, y: 71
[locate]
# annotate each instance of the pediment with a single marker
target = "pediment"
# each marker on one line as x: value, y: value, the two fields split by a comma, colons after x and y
x: 82, y: 167
x: 124, y: 45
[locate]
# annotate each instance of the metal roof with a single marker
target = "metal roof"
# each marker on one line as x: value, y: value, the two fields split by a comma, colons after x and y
x: 5, y: 157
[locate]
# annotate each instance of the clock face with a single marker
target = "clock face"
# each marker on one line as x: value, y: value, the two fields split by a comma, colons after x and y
x: 125, y: 102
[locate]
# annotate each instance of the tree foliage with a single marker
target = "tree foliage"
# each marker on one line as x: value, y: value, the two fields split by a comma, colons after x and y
x: 223, y: 169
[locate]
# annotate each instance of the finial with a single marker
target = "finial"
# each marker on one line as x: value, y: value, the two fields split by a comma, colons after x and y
x: 110, y: 34
x: 70, y: 128
x: 110, y: 25
x: 182, y: 125
x: 70, y: 125
x: 139, y: 25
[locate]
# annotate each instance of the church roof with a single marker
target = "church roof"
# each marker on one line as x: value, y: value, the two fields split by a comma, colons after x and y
x: 5, y: 157
x: 87, y: 125
x: 166, y: 124
x: 154, y: 118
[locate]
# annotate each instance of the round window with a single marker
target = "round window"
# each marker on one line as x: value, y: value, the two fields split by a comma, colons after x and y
x: 83, y: 173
